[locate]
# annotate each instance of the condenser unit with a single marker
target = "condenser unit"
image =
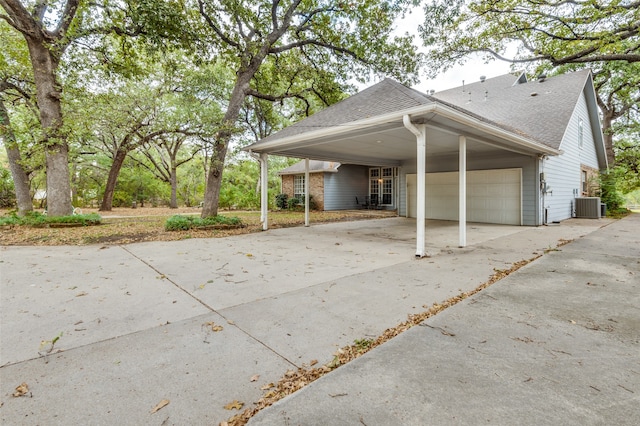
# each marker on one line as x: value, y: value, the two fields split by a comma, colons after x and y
x: 588, y: 207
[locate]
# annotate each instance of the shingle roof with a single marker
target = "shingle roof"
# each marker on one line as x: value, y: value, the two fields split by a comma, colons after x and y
x: 314, y: 167
x: 541, y: 110
x: 384, y: 97
x: 538, y: 110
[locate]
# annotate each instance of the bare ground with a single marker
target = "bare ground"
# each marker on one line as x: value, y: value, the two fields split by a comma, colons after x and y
x: 125, y: 225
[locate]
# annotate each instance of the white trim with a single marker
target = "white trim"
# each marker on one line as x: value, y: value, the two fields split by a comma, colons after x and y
x: 436, y: 108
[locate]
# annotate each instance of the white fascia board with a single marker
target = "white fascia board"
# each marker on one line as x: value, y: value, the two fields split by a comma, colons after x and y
x: 437, y: 108
x: 336, y: 130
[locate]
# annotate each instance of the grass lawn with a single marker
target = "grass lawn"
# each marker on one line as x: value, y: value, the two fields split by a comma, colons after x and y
x: 124, y: 225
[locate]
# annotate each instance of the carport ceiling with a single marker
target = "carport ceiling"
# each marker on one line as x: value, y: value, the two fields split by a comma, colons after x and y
x: 391, y: 143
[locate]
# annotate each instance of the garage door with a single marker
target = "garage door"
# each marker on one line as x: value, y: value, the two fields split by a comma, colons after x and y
x: 493, y: 196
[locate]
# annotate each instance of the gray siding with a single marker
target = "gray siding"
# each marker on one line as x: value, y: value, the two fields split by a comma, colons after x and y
x: 342, y: 188
x: 562, y: 172
x: 504, y: 160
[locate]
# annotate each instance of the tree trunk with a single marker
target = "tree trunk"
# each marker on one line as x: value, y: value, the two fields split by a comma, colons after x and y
x: 216, y: 167
x: 112, y: 180
x: 607, y: 119
x: 173, y: 180
x: 48, y: 94
x: 20, y: 178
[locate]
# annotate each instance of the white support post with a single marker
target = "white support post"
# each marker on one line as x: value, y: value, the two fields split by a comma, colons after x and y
x: 462, y: 191
x: 264, y: 190
x: 421, y: 141
x: 306, y: 192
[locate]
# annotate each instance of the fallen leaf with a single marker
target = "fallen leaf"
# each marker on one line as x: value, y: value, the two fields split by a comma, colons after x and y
x: 230, y: 322
x: 82, y: 293
x: 313, y: 362
x: 267, y: 386
x: 21, y: 390
x: 237, y: 405
x: 255, y: 377
x: 270, y: 394
x: 249, y: 255
x: 213, y: 326
x: 160, y: 405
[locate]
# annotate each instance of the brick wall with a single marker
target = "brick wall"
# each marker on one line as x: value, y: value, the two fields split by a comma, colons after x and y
x: 287, y: 185
x: 316, y: 187
x: 593, y: 185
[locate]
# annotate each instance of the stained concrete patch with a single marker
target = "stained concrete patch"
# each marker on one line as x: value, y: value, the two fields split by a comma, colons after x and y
x: 119, y: 381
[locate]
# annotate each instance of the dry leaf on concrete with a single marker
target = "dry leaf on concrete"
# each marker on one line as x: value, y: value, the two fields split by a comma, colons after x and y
x: 21, y: 390
x: 255, y: 378
x: 214, y: 327
x: 267, y: 386
x: 237, y: 405
x: 160, y: 405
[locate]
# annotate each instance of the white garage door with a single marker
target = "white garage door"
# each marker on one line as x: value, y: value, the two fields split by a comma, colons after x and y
x: 493, y: 196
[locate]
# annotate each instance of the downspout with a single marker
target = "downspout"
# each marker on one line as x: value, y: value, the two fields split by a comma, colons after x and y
x: 421, y: 145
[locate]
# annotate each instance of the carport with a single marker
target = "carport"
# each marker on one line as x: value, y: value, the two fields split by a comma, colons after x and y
x: 390, y: 125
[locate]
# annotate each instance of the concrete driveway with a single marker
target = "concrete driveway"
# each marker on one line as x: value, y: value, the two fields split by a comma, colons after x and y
x: 136, y: 322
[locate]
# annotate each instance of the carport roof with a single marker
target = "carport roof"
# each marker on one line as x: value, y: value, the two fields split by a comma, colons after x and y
x: 367, y: 128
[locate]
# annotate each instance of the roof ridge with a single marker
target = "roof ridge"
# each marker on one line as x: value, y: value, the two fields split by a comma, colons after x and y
x: 408, y: 91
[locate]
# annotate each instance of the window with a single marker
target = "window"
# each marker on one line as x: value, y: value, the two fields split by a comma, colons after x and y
x: 585, y: 188
x: 381, y: 184
x: 298, y: 186
x: 580, y: 132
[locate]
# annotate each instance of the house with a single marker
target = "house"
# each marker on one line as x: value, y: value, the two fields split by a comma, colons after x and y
x: 502, y: 150
x: 333, y: 186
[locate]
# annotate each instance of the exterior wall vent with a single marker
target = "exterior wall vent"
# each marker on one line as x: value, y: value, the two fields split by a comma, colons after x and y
x: 588, y: 207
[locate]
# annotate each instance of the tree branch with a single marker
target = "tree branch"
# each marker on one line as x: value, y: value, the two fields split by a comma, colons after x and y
x: 69, y: 13
x: 21, y: 19
x: 318, y: 43
x: 214, y: 27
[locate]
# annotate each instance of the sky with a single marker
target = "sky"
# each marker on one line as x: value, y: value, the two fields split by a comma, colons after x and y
x: 470, y: 72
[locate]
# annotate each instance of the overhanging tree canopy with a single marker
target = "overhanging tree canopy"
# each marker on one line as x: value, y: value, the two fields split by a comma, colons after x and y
x: 348, y: 39
x: 548, y: 35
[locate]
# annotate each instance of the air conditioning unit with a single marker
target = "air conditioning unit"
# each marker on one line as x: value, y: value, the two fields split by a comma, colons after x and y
x: 588, y: 207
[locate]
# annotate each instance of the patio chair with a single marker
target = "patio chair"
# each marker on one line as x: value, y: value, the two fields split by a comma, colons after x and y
x: 364, y: 205
x: 373, y: 202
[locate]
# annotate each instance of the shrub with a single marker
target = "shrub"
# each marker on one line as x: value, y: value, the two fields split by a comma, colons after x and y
x: 184, y: 223
x: 281, y: 201
x: 298, y: 203
x: 36, y: 219
x: 609, y: 193
x: 178, y: 223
